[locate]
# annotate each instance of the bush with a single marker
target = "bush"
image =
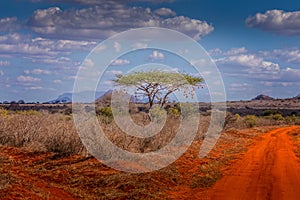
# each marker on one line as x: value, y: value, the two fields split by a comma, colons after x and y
x: 277, y: 117
x: 3, y: 112
x: 106, y: 112
x: 250, y: 120
x: 174, y: 112
x: 293, y: 119
x: 106, y: 115
x: 157, y: 114
x: 237, y: 117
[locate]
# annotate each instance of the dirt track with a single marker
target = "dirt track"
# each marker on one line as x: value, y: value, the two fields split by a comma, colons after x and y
x: 269, y: 170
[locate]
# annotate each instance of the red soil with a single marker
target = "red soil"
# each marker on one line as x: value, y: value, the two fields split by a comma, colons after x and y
x: 269, y: 170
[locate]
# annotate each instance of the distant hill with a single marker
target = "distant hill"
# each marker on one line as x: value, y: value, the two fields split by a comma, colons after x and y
x: 263, y: 97
x: 83, y: 97
x: 63, y: 98
x: 296, y: 97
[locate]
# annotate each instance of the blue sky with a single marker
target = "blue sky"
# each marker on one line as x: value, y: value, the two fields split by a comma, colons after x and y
x: 255, y: 44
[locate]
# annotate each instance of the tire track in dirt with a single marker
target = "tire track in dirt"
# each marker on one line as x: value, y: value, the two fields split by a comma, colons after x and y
x: 269, y: 170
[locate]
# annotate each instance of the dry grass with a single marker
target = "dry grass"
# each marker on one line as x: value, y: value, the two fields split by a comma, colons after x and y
x: 45, y: 132
x: 40, y: 132
x: 296, y: 139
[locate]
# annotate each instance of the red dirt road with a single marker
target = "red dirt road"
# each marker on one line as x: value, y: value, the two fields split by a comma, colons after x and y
x: 269, y: 170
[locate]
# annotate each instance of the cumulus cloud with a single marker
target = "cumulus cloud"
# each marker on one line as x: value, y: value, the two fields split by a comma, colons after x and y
x: 255, y: 63
x: 114, y: 72
x: 156, y: 55
x: 277, y: 21
x: 99, y: 2
x: 238, y: 86
x: 57, y: 81
x: 27, y: 79
x: 38, y: 72
x: 104, y: 20
x: 9, y: 24
x: 40, y: 47
x: 164, y: 12
x: 35, y: 88
x: 117, y: 47
x: 4, y: 63
x: 290, y: 75
x: 285, y: 55
x: 120, y: 62
x: 235, y: 51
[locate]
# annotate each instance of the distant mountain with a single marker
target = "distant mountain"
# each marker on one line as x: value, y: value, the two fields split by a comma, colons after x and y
x: 64, y: 98
x: 82, y: 97
x: 296, y: 97
x: 263, y: 97
x: 104, y: 98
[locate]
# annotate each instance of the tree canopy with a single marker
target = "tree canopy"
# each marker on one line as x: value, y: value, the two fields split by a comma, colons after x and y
x: 158, y: 85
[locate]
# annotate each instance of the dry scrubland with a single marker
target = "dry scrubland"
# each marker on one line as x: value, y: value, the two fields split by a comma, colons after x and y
x: 50, y: 152
x: 46, y: 132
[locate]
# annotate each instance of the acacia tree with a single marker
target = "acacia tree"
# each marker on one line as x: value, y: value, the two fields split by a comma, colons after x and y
x: 158, y: 85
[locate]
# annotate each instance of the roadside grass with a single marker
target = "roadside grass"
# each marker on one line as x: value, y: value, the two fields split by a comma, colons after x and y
x: 295, y: 135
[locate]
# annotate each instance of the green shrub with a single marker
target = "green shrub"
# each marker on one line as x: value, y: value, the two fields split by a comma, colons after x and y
x: 174, y: 111
x: 237, y: 117
x: 277, y: 117
x: 157, y: 114
x: 3, y: 112
x: 250, y: 120
x: 292, y: 119
x: 106, y: 115
x: 106, y: 112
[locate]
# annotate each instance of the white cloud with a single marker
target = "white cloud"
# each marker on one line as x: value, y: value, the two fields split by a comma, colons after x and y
x: 41, y: 71
x: 139, y: 45
x: 108, y: 18
x: 120, y: 62
x: 117, y: 47
x: 88, y: 63
x: 1, y: 73
x: 57, y: 81
x: 285, y: 55
x: 215, y: 51
x: 38, y: 72
x: 114, y: 72
x: 9, y: 24
x: 254, y: 63
x: 100, y: 2
x: 277, y: 21
x: 236, y: 51
x: 248, y: 60
x: 4, y: 63
x: 290, y: 75
x: 25, y: 45
x: 35, y: 88
x: 165, y: 12
x: 27, y: 79
x: 238, y: 86
x: 156, y: 55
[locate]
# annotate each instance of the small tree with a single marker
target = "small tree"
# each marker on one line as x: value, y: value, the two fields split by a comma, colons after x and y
x: 158, y: 85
